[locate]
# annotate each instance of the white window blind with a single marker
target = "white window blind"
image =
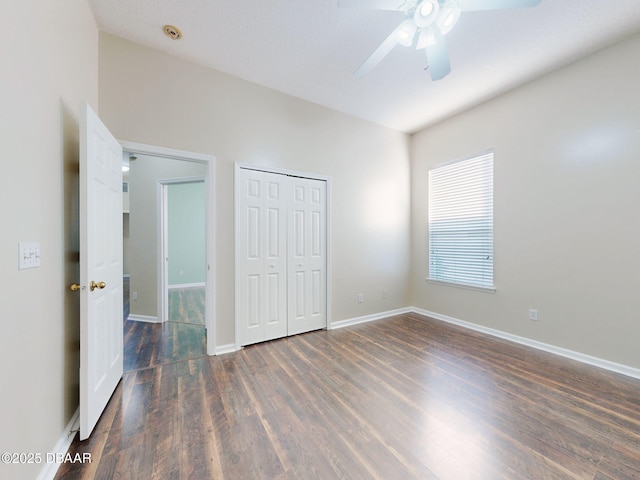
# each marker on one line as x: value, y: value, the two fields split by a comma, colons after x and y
x: 461, y: 222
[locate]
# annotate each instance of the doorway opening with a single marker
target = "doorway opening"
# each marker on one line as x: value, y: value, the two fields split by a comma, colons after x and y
x: 154, y: 333
x: 183, y: 248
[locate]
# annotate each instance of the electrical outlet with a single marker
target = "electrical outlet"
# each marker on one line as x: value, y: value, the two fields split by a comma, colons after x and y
x: 134, y: 295
x: 385, y: 295
x: 533, y: 314
x: 360, y: 298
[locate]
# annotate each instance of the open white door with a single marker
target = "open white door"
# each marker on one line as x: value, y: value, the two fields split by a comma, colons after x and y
x: 101, y: 352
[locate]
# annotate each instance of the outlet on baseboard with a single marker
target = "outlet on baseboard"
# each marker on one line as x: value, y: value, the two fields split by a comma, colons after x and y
x: 533, y: 314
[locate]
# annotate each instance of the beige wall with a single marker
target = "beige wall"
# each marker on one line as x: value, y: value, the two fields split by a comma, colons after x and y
x: 566, y: 207
x: 49, y: 64
x: 566, y: 170
x: 153, y: 98
x: 143, y: 224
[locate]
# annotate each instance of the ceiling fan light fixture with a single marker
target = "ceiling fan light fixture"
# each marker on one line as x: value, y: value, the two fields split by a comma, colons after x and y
x: 429, y: 21
x: 448, y: 18
x: 426, y: 8
x: 427, y: 38
x: 406, y: 32
x: 426, y: 13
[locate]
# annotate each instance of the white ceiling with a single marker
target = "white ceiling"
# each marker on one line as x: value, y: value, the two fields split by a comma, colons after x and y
x: 310, y: 48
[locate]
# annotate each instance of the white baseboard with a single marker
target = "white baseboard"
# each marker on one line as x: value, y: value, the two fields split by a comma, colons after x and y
x: 143, y: 318
x: 368, y: 318
x: 232, y: 347
x: 186, y: 285
x: 49, y: 470
x: 563, y: 352
x: 229, y: 348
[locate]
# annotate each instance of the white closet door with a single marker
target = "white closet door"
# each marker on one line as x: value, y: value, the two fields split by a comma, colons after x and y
x: 307, y: 265
x: 263, y: 256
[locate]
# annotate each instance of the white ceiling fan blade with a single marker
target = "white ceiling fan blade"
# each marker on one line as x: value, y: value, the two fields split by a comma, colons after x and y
x: 475, y: 5
x: 385, y: 47
x: 438, y: 57
x: 380, y: 52
x: 373, y: 4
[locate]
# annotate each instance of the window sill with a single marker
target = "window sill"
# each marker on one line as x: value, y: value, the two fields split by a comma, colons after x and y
x: 462, y: 285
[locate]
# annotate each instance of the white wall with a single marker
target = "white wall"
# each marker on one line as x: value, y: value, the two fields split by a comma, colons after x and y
x: 153, y: 98
x: 49, y: 64
x: 567, y: 197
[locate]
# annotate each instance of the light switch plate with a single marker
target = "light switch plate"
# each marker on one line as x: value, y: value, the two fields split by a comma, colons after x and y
x: 28, y: 255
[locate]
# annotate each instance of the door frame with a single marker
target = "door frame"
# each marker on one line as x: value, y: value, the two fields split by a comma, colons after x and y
x: 292, y: 173
x: 210, y: 209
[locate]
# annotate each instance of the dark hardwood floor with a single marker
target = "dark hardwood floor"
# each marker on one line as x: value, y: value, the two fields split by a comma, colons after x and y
x: 182, y: 338
x: 186, y: 305
x: 401, y: 398
x: 153, y: 344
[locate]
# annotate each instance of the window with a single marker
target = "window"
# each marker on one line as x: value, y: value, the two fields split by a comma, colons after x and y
x: 461, y: 222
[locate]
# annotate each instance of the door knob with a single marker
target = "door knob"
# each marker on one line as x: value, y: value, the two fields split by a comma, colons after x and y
x: 74, y: 287
x: 93, y: 285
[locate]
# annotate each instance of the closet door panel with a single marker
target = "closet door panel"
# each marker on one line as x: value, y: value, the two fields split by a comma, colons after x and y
x: 307, y: 258
x: 262, y: 205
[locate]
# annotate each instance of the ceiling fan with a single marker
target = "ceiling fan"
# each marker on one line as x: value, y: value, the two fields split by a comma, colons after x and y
x: 426, y: 24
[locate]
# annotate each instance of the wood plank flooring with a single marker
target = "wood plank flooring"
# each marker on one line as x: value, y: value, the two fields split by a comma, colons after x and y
x: 186, y: 305
x: 182, y: 338
x: 154, y: 344
x: 401, y: 398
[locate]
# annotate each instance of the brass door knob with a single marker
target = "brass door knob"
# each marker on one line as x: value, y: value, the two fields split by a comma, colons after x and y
x: 74, y: 287
x: 93, y: 285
